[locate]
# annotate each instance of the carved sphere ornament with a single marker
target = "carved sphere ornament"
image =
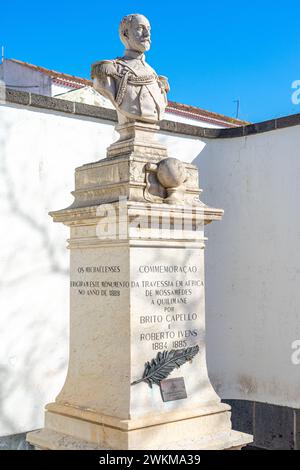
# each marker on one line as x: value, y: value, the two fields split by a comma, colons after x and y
x: 171, y: 173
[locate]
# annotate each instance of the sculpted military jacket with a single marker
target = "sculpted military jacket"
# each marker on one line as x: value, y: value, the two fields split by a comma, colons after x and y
x: 137, y: 92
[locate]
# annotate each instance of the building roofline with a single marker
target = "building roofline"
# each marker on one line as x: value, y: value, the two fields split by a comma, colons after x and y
x: 187, y: 111
x: 53, y: 73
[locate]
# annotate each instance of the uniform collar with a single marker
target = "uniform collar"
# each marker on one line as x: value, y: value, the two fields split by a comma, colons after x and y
x: 130, y: 54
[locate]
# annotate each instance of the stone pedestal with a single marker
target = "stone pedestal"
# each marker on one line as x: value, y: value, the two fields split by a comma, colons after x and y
x: 137, y: 289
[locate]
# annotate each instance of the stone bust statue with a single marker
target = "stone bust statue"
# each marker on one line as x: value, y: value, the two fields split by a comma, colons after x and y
x: 133, y: 87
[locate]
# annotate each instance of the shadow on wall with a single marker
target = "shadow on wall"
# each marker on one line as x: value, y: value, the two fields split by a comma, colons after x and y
x: 33, y: 294
x: 252, y: 265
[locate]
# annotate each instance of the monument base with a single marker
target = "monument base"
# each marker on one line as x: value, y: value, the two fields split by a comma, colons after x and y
x: 203, y: 432
x: 137, y: 310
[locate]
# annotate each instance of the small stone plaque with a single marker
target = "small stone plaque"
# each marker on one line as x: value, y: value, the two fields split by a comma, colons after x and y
x: 173, y: 389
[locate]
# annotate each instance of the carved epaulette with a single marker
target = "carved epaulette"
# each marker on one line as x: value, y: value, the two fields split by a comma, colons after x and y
x: 104, y: 68
x: 164, y: 83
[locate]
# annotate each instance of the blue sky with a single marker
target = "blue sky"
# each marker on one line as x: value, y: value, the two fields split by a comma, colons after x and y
x: 212, y: 52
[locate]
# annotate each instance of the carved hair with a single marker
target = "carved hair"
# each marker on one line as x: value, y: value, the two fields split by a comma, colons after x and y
x: 125, y: 24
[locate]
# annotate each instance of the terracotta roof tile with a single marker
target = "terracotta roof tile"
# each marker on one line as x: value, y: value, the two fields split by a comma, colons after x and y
x: 198, y: 113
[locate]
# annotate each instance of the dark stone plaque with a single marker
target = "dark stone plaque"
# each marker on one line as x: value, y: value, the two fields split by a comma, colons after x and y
x: 173, y: 389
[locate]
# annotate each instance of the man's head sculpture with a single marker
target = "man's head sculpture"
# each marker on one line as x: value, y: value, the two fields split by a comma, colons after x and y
x: 133, y: 87
x: 134, y: 32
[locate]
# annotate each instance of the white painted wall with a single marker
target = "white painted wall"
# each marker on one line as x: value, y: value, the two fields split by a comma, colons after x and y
x: 38, y: 153
x: 253, y: 265
x: 19, y: 77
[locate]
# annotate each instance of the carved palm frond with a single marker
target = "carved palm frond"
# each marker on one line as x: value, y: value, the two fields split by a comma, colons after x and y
x: 164, y: 363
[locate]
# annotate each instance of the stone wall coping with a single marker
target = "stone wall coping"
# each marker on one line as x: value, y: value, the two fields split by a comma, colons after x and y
x: 33, y: 100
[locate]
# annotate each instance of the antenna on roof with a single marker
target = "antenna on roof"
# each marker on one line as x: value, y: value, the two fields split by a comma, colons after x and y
x: 2, y: 54
x: 237, y: 108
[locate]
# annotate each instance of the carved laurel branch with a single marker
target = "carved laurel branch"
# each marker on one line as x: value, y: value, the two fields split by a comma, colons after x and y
x: 164, y: 363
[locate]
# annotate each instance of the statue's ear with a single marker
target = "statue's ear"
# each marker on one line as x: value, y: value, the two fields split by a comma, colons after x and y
x: 125, y: 33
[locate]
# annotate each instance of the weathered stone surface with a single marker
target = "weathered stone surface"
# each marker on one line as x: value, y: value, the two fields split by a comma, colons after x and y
x: 133, y: 87
x: 242, y: 414
x: 95, y: 111
x: 46, y: 102
x: 114, y: 335
x: 202, y: 432
x: 171, y: 173
x: 265, y: 126
x: 297, y: 429
x: 274, y: 426
x: 18, y: 97
x: 15, y: 442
